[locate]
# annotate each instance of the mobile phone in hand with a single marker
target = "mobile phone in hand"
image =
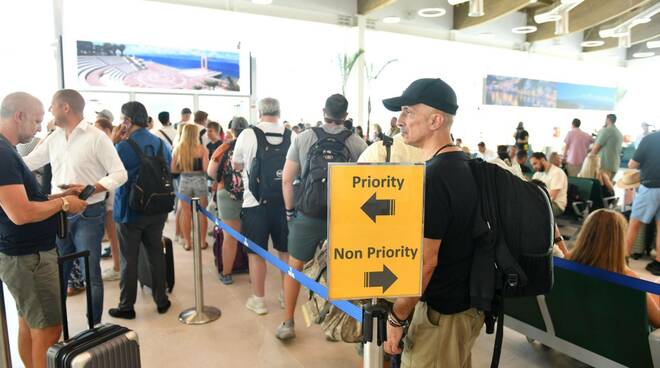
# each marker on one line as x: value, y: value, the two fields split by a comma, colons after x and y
x: 87, y: 192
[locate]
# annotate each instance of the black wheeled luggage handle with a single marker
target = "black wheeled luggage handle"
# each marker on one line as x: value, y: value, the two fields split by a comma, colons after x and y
x: 88, y: 290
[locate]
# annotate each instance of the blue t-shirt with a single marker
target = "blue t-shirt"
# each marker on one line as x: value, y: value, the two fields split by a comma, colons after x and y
x: 648, y: 156
x: 16, y: 240
x: 149, y: 144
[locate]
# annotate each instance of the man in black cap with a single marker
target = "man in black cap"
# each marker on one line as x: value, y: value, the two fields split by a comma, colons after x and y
x: 310, y: 153
x: 444, y: 327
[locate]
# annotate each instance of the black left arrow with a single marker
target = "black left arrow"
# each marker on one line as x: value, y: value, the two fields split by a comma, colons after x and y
x: 378, y: 207
x: 383, y: 279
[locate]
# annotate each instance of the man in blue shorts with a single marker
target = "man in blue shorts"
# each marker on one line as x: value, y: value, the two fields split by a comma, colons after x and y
x: 646, y: 206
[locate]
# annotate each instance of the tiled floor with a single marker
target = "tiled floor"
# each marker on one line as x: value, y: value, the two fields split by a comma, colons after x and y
x: 242, y: 339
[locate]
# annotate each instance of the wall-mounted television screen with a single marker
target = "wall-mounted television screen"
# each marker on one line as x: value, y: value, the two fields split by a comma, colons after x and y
x: 119, y: 66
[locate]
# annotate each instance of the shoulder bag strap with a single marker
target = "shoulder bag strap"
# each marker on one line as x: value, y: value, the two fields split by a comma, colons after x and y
x: 135, y: 148
x: 165, y: 136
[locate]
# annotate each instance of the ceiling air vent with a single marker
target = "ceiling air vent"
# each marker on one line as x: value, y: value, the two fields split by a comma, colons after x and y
x: 346, y: 20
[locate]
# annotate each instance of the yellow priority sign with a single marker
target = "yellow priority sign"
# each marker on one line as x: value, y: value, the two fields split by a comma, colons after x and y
x: 375, y: 230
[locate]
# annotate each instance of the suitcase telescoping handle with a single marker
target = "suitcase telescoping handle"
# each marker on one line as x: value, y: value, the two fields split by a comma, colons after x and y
x: 88, y: 290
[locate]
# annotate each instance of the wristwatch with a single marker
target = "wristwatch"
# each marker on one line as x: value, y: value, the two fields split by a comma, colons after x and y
x: 65, y: 204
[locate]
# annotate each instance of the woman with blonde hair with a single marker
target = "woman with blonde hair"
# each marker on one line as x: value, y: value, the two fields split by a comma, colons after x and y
x: 601, y: 243
x: 191, y: 159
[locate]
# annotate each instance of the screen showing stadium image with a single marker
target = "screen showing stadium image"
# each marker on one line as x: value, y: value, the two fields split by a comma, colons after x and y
x: 124, y: 66
x: 513, y: 91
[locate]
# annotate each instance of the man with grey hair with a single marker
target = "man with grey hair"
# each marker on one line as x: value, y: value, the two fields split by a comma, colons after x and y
x: 260, y: 153
x: 28, y: 224
x: 81, y: 155
x: 444, y: 326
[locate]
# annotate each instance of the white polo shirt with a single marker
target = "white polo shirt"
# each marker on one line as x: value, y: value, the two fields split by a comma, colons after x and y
x: 246, y: 150
x: 555, y: 179
x: 88, y: 157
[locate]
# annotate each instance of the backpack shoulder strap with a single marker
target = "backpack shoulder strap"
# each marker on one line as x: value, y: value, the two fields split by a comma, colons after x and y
x: 162, y: 132
x: 286, y: 137
x: 262, y: 142
x: 135, y: 148
x: 388, y: 149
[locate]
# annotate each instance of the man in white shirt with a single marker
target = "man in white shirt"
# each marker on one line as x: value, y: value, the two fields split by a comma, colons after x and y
x: 267, y: 216
x: 555, y: 180
x: 484, y: 153
x: 166, y: 133
x: 201, y: 119
x: 504, y: 161
x: 81, y: 155
x: 186, y: 114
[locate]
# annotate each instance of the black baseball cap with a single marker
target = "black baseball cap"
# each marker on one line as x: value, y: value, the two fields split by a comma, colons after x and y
x: 428, y: 91
x: 336, y: 107
x: 186, y: 111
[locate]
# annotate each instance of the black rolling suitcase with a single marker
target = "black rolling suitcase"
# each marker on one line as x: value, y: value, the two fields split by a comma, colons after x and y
x: 102, y: 346
x: 144, y: 271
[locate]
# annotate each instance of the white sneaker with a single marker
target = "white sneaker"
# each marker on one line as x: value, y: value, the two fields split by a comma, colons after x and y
x: 257, y: 305
x: 110, y: 275
x: 281, y: 299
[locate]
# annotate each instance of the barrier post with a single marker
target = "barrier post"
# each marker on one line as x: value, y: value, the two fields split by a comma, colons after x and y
x: 5, y: 352
x: 374, y: 332
x: 199, y: 314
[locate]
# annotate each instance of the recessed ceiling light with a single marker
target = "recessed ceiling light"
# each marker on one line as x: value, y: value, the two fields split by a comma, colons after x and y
x: 391, y: 20
x: 653, y: 44
x: 593, y: 43
x: 524, y: 29
x: 262, y: 2
x: 431, y: 12
x: 638, y: 21
x: 545, y: 18
x: 643, y: 54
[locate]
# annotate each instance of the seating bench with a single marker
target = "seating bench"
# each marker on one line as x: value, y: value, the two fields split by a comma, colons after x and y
x: 595, y: 321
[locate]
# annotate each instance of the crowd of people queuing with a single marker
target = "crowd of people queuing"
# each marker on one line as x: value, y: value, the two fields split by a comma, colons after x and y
x: 262, y: 179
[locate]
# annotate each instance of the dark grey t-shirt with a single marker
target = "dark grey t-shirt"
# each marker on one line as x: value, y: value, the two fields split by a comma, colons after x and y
x: 648, y: 156
x: 305, y: 140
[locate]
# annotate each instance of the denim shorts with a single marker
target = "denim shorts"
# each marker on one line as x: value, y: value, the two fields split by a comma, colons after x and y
x: 194, y: 185
x: 646, y: 205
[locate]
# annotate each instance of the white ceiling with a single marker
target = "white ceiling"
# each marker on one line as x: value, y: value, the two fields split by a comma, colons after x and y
x: 495, y: 33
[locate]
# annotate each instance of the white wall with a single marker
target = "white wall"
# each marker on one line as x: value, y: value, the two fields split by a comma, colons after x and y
x: 296, y: 60
x: 29, y: 45
x: 464, y: 66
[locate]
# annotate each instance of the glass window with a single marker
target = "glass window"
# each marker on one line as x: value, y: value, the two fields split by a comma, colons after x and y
x: 155, y: 103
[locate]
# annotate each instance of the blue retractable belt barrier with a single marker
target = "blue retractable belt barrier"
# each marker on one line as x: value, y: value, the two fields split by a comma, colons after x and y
x: 623, y: 280
x: 356, y: 313
x: 347, y: 307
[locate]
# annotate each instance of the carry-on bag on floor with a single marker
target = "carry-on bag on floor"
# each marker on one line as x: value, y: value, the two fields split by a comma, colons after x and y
x: 241, y: 260
x: 102, y: 346
x: 144, y: 271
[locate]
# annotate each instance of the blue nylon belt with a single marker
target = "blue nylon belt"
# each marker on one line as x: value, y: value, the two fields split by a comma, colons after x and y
x: 347, y: 307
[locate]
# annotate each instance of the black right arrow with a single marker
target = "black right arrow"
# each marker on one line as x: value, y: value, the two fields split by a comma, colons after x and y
x: 385, y: 279
x: 378, y: 207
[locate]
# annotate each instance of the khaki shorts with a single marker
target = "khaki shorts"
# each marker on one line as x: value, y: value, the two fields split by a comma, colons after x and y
x: 33, y: 281
x: 441, y: 340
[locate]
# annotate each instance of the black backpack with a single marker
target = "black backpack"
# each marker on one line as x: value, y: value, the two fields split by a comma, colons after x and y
x: 152, y: 193
x: 514, y: 236
x: 313, y: 198
x: 231, y: 178
x: 266, y: 170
